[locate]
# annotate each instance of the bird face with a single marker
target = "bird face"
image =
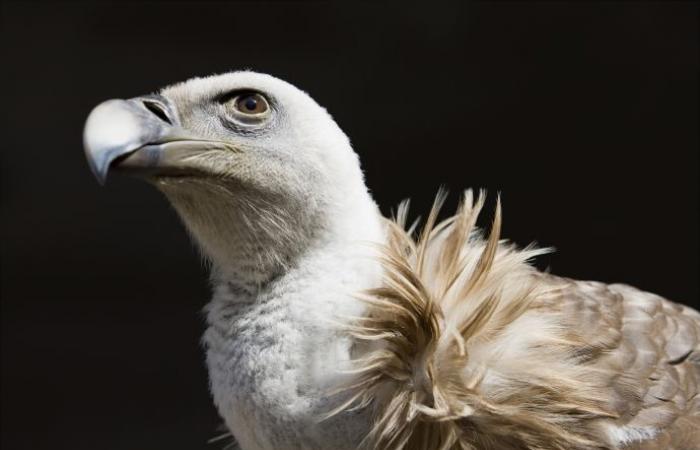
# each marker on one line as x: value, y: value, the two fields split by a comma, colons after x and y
x: 251, y: 163
x: 240, y: 129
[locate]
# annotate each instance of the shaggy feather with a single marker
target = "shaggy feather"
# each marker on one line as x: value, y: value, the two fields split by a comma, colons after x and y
x: 436, y: 373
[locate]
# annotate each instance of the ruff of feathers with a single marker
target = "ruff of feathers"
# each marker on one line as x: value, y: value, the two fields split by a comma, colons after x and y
x: 433, y: 367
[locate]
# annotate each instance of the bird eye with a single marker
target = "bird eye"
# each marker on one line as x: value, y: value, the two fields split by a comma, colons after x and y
x: 251, y: 104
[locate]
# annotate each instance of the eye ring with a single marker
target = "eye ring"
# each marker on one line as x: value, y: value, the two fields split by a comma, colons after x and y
x: 251, y: 104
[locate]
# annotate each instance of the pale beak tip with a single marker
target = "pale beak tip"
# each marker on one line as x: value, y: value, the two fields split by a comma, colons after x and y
x: 112, y: 129
x: 99, y: 164
x: 101, y: 177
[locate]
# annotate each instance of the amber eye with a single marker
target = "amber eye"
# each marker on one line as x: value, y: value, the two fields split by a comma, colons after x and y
x: 251, y: 104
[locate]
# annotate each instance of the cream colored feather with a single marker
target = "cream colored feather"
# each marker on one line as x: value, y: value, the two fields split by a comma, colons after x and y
x: 466, y: 346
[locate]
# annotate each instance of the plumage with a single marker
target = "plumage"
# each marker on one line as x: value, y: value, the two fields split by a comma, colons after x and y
x: 457, y: 333
x: 331, y: 327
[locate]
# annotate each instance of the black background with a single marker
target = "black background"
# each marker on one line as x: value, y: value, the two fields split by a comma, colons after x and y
x: 584, y: 116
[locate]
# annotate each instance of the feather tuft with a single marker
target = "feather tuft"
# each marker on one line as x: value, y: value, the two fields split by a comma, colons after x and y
x: 440, y: 371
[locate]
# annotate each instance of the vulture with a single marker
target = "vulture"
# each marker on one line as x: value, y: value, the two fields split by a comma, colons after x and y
x: 332, y: 327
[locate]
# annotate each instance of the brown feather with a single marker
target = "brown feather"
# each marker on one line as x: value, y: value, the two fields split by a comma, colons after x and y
x: 472, y: 348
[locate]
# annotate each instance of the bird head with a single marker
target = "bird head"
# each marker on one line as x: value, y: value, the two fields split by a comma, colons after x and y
x: 258, y: 171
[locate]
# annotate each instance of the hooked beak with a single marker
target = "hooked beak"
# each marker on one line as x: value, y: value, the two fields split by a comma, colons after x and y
x: 138, y: 136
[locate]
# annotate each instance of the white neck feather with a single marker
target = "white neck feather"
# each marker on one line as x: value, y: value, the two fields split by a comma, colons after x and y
x: 274, y: 350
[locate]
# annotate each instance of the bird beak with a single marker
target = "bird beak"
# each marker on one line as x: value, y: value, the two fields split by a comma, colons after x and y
x: 137, y: 136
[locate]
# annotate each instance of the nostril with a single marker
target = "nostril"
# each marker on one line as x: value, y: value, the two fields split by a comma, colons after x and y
x: 158, y: 110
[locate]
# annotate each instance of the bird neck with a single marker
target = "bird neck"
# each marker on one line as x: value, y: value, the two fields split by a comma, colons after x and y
x: 252, y: 239
x: 276, y: 351
x: 277, y: 325
x: 343, y: 238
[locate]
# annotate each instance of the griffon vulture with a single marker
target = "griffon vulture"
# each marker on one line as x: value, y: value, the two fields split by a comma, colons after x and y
x: 331, y: 327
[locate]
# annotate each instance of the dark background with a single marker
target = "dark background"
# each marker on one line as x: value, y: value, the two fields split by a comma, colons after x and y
x: 584, y: 116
